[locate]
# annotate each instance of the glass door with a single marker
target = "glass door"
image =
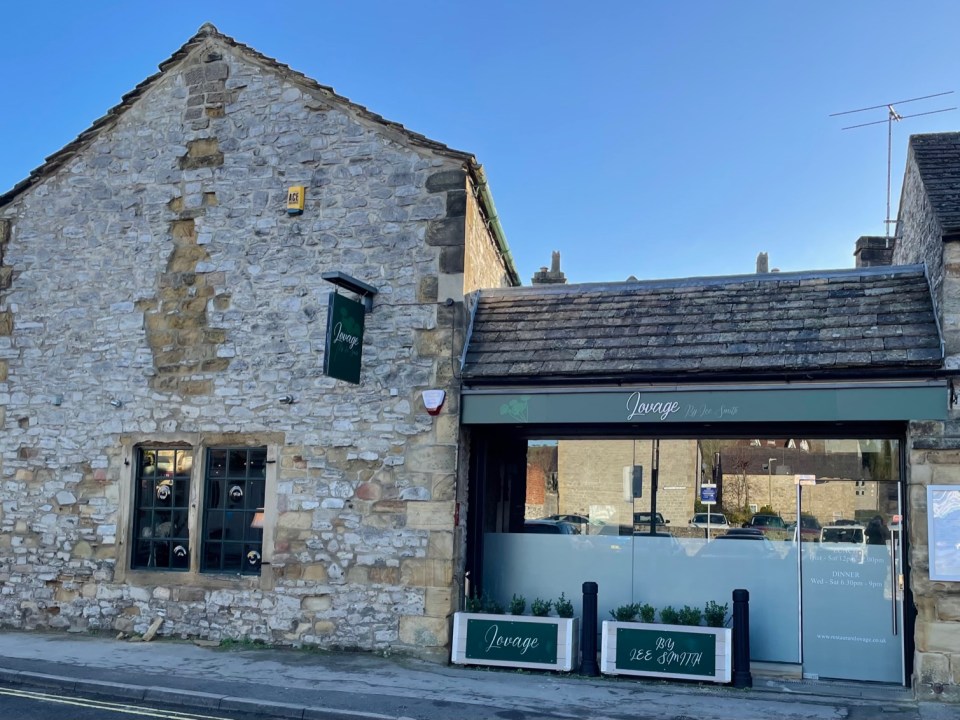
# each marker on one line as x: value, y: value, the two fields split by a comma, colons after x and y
x: 851, y: 571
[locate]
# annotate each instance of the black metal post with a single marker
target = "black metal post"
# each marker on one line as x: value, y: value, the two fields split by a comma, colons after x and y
x: 742, y: 678
x: 654, y: 484
x: 588, y: 631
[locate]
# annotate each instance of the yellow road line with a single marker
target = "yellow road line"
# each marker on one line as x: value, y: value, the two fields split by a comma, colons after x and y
x: 104, y: 705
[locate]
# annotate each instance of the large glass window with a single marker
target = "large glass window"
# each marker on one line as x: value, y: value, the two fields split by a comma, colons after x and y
x: 675, y: 522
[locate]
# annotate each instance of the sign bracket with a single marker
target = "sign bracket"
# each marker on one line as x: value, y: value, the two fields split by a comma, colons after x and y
x: 347, y: 282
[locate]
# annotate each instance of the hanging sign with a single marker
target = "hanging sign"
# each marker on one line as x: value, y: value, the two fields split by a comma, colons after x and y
x: 344, y: 346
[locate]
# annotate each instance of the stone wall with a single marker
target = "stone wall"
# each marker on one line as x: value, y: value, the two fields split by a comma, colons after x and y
x: 590, y: 478
x: 933, y: 455
x: 483, y: 265
x: 933, y: 459
x: 918, y: 231
x: 161, y: 293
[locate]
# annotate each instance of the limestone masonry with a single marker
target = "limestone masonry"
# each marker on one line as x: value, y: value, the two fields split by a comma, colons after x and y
x: 156, y: 294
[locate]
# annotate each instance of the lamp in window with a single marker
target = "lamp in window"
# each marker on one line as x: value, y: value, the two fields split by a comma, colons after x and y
x: 257, y: 522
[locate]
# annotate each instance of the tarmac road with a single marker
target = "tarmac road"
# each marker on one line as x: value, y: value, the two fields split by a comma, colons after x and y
x: 21, y: 704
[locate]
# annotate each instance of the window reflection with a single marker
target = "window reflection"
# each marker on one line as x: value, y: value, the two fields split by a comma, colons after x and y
x: 586, y: 484
x: 588, y: 509
x: 162, y: 497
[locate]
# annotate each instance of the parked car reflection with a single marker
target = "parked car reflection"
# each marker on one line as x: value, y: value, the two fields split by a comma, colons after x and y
x: 584, y: 524
x: 661, y: 540
x: 715, y: 521
x: 844, y: 542
x: 739, y: 543
x: 550, y: 527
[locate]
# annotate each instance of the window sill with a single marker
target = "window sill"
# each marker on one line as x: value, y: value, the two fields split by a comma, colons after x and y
x: 204, y: 581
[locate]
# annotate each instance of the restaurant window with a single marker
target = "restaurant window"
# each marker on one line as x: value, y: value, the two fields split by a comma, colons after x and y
x: 233, y: 510
x: 232, y: 517
x: 160, y: 525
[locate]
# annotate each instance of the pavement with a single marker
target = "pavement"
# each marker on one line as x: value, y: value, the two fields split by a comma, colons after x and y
x: 292, y: 683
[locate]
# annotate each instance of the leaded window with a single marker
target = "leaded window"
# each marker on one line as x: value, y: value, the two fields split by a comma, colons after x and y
x: 233, y: 510
x: 161, y: 535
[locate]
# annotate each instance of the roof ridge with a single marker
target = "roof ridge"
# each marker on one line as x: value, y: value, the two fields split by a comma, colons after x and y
x: 209, y: 31
x: 703, y: 280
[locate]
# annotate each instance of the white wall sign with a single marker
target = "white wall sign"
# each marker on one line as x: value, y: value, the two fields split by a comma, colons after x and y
x: 943, y: 521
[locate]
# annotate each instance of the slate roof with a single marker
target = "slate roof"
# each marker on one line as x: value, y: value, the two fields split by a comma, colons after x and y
x: 938, y: 160
x: 861, y: 322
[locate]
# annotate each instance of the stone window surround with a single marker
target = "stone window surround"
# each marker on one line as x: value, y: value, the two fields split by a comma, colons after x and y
x: 198, y: 444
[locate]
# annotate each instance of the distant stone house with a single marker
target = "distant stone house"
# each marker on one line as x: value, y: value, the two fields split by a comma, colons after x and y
x: 171, y: 446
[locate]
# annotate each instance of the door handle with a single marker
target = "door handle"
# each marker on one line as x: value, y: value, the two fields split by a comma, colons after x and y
x: 894, y: 584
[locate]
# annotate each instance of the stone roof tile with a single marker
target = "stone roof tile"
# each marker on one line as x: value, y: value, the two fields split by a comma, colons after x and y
x: 863, y: 321
x: 938, y: 160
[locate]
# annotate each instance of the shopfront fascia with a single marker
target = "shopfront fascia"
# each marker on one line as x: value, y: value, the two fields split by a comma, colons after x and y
x: 787, y: 403
x: 826, y: 457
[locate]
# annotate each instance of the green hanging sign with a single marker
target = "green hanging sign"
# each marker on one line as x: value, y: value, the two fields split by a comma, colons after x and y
x: 344, y: 346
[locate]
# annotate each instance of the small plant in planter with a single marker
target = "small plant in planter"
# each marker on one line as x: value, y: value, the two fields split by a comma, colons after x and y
x: 491, y: 607
x: 473, y: 604
x: 541, y: 608
x: 690, y: 616
x: 647, y: 612
x: 625, y: 613
x: 715, y: 614
x: 563, y: 607
x: 625, y: 642
x: 518, y: 603
x: 669, y: 615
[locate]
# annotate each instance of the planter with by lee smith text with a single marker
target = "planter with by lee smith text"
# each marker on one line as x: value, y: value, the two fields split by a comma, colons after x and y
x: 543, y: 643
x: 680, y: 652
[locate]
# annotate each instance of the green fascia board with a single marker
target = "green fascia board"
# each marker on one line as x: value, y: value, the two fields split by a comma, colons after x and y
x: 794, y: 403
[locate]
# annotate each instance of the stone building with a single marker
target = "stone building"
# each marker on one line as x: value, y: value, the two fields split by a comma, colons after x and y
x: 171, y: 447
x: 862, y: 365
x: 928, y: 231
x: 667, y: 374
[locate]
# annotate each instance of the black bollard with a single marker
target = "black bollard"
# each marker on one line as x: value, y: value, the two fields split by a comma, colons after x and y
x: 588, y: 631
x: 742, y: 678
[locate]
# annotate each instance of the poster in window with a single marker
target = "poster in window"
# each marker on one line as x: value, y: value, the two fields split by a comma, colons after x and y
x: 943, y: 520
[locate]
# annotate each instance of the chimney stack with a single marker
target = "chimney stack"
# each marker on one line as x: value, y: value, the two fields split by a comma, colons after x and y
x: 763, y: 264
x: 873, y: 250
x: 553, y: 276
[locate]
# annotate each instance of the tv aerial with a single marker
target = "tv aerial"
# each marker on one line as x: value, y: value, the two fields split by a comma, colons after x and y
x: 892, y: 117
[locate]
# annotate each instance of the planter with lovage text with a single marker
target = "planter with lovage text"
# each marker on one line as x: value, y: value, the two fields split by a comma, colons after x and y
x: 542, y: 643
x: 679, y: 652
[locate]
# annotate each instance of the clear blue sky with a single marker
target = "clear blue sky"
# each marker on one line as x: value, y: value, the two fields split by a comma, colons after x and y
x: 659, y: 139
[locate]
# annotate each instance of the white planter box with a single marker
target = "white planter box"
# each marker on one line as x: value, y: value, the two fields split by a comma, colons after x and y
x: 680, y: 652
x: 524, y: 641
